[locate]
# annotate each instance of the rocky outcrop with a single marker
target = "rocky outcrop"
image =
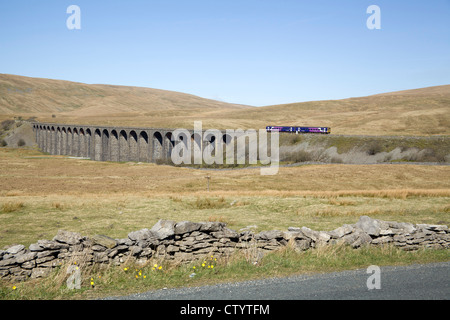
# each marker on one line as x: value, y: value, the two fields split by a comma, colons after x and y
x: 187, y: 241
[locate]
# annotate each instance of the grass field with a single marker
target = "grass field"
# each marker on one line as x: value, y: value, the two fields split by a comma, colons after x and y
x: 40, y: 194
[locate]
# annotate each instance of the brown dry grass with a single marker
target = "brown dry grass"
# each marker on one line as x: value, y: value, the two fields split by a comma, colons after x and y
x: 413, y: 112
x: 26, y: 172
x: 423, y: 111
x: 72, y: 102
x: 40, y: 194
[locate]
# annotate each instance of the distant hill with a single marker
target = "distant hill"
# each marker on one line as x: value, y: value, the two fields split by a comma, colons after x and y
x: 424, y: 111
x: 65, y: 101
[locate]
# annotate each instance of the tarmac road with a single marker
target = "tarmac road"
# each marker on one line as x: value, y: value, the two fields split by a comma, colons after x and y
x: 415, y: 282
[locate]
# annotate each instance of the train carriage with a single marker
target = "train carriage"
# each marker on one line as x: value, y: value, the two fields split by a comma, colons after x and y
x: 322, y: 130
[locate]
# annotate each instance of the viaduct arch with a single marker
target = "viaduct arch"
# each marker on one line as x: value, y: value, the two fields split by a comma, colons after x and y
x: 120, y: 144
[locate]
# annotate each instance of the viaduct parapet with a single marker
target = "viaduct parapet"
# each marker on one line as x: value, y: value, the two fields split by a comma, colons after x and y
x: 103, y: 143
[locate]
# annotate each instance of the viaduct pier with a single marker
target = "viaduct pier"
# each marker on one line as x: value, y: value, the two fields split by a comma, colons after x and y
x: 102, y: 143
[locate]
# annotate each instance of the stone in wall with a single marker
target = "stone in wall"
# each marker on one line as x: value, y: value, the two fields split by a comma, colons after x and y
x: 187, y: 241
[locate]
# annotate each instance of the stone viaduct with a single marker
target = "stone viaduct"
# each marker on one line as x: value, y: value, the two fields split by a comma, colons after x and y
x: 103, y: 143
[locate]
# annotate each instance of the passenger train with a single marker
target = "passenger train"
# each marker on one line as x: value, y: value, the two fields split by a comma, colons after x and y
x: 323, y: 130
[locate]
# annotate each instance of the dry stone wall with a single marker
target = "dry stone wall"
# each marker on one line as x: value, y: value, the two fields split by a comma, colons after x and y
x: 189, y: 241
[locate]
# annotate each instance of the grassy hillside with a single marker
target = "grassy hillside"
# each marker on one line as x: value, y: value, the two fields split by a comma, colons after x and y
x: 71, y: 102
x: 423, y: 111
x: 414, y: 112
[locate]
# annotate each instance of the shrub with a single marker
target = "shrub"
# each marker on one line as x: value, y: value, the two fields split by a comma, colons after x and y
x: 374, y: 148
x: 12, y: 206
x: 299, y: 156
x: 6, y: 125
x: 207, y: 203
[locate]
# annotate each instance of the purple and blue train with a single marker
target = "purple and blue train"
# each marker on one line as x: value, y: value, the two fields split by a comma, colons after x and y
x: 323, y: 130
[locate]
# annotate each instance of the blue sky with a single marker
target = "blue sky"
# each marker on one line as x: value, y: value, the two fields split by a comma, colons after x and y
x: 256, y: 52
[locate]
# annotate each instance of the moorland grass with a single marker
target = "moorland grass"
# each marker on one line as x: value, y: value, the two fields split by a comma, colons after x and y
x: 39, y: 196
